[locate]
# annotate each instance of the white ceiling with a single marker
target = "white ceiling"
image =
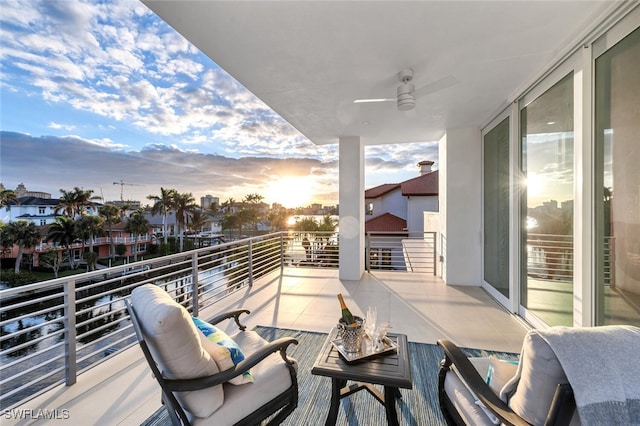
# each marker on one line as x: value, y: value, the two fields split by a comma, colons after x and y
x: 308, y: 60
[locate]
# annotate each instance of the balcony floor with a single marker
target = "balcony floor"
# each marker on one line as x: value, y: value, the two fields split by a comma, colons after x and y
x: 121, y: 391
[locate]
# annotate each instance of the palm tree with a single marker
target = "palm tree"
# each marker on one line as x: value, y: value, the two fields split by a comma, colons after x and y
x: 163, y: 204
x: 7, y: 195
x: 137, y: 225
x: 84, y: 198
x: 63, y: 232
x: 88, y: 227
x: 24, y: 234
x: 67, y: 203
x: 74, y: 202
x: 184, y: 206
x: 111, y: 215
x: 250, y: 204
x: 198, y: 221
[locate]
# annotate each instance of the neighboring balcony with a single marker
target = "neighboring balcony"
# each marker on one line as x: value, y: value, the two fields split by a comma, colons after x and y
x: 68, y: 343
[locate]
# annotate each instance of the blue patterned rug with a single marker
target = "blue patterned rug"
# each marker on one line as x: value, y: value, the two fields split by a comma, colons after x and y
x: 418, y: 406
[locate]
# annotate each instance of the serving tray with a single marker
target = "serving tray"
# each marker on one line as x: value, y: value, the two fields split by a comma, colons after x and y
x: 388, y: 346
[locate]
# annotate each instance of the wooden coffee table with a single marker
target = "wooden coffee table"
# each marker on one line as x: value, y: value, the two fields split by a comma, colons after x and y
x: 392, y: 371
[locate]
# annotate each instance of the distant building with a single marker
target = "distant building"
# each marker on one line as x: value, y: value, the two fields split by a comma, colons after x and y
x: 209, y: 200
x: 400, y: 207
x: 21, y: 191
x: 40, y: 211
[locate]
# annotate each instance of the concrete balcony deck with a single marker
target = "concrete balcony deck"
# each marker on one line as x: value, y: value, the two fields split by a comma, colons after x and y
x: 121, y: 391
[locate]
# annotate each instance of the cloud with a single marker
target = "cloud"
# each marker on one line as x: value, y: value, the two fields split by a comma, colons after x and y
x: 65, y: 162
x: 151, y: 109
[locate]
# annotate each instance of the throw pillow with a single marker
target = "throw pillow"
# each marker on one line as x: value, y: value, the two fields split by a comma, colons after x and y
x: 224, y: 351
x: 500, y: 372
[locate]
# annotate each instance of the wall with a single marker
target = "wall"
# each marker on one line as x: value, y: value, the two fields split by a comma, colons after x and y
x: 460, y: 194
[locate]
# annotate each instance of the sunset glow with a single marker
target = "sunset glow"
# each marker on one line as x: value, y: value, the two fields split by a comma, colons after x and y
x: 290, y: 192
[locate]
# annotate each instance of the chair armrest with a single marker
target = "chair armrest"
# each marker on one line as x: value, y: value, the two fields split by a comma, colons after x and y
x: 454, y: 355
x: 278, y: 345
x: 235, y: 314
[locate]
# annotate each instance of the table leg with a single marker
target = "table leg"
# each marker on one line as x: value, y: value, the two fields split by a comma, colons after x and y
x: 390, y: 395
x: 336, y: 386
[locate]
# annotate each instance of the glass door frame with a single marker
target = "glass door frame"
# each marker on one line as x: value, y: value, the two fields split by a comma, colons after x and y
x: 573, y: 64
x: 512, y: 302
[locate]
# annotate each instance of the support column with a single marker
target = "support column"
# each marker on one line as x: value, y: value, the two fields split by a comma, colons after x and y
x: 351, y: 204
x: 461, y: 206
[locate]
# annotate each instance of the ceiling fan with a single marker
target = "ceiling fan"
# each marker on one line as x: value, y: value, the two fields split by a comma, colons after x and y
x: 406, y: 92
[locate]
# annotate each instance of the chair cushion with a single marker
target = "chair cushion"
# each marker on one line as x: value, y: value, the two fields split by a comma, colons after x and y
x: 223, y: 349
x: 271, y: 378
x: 530, y: 392
x: 174, y: 342
x: 464, y: 400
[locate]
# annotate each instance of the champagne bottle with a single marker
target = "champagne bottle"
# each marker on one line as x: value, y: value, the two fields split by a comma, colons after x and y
x: 347, y: 316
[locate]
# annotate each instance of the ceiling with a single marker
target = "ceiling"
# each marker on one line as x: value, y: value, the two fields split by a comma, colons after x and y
x: 309, y: 60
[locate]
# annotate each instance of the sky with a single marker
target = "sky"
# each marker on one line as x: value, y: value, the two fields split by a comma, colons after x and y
x: 98, y: 93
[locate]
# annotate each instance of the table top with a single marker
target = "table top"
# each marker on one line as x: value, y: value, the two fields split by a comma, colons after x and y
x: 388, y: 370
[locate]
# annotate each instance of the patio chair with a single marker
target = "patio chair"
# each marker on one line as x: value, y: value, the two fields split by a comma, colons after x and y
x: 565, y: 375
x: 467, y: 396
x: 195, y: 388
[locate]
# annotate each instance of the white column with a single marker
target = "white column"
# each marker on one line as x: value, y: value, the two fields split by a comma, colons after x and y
x: 461, y: 206
x: 351, y: 199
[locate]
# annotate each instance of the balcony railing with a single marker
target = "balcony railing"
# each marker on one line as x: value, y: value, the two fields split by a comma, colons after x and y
x: 51, y: 331
x: 550, y: 258
x: 96, y: 241
x: 412, y: 252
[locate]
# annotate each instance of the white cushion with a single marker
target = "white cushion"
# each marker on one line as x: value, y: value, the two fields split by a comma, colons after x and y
x: 175, y: 344
x: 464, y: 401
x: 271, y: 378
x: 530, y: 392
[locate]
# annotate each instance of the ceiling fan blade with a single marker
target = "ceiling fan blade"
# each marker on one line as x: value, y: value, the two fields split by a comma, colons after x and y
x: 372, y: 100
x: 436, y: 86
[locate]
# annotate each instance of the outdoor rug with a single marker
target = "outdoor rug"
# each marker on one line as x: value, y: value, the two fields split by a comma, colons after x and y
x: 418, y: 406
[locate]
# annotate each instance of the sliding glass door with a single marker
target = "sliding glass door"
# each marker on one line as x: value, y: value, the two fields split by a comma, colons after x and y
x: 547, y: 137
x: 617, y: 183
x: 496, y: 208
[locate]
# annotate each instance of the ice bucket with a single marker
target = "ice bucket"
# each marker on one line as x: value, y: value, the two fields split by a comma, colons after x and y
x: 351, y: 335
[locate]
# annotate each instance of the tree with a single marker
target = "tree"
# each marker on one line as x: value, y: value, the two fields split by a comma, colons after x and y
x: 50, y: 259
x: 7, y: 195
x: 74, y: 202
x: 24, y: 234
x: 163, y: 204
x: 198, y: 221
x: 63, y: 232
x: 307, y: 224
x: 111, y: 215
x: 137, y: 225
x: 87, y: 228
x: 250, y: 205
x: 278, y: 219
x: 328, y: 224
x: 184, y: 205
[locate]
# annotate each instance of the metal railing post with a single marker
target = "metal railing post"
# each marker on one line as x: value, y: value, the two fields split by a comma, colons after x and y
x: 367, y: 252
x: 250, y: 262
x: 194, y: 284
x: 281, y: 253
x: 70, y: 355
x: 435, y: 253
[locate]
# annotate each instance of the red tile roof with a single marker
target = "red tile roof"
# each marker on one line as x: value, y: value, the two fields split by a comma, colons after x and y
x: 426, y: 184
x: 386, y: 222
x: 380, y: 190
